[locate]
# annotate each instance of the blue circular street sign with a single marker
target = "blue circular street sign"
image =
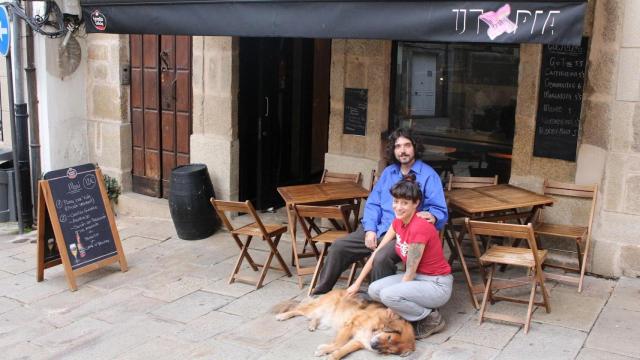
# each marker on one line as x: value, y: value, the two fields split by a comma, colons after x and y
x: 4, y: 31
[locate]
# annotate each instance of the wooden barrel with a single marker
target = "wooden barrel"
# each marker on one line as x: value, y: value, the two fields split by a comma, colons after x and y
x: 192, y: 213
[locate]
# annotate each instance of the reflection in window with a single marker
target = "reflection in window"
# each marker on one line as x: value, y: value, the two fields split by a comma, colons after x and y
x: 462, y: 91
x: 461, y: 96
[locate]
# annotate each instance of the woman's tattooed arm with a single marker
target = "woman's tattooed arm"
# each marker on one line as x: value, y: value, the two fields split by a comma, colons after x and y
x: 414, y: 254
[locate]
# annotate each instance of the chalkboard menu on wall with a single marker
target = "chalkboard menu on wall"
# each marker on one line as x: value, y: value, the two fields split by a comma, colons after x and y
x: 562, y: 78
x: 355, y: 111
x: 76, y: 225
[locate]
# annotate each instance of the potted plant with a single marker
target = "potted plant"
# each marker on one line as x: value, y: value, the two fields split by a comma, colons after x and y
x: 113, y: 190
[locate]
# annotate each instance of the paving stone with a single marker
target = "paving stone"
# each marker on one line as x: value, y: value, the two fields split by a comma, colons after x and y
x: 616, y: 331
x: 265, y: 331
x: 136, y: 243
x: 301, y: 344
x: 119, y: 339
x: 136, y: 306
x: 4, y: 274
x: 459, y: 350
x: 192, y: 306
x: 544, y: 342
x: 64, y: 308
x: 171, y: 288
x: 7, y: 304
x: 259, y: 302
x: 36, y: 292
x: 16, y: 266
x: 626, y: 294
x: 15, y: 283
x: 150, y: 228
x: 116, y: 278
x: 592, y: 286
x: 593, y: 354
x: 16, y: 332
x: 74, y: 334
x: 22, y: 315
x: 24, y: 350
x: 570, y: 309
x: 218, y: 349
x: 160, y: 348
x: 208, y: 326
x: 488, y: 334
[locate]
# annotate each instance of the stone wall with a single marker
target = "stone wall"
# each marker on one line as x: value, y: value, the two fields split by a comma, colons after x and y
x: 359, y: 64
x: 108, y: 120
x: 215, y: 111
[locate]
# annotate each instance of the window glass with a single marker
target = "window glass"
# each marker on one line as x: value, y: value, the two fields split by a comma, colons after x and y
x: 459, y: 97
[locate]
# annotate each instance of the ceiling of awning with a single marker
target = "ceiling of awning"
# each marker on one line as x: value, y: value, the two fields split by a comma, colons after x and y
x: 557, y: 22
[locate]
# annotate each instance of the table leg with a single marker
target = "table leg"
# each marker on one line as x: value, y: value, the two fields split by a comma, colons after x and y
x: 294, y: 248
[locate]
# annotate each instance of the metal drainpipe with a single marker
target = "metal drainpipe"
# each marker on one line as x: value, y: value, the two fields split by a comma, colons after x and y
x: 21, y: 117
x: 34, y: 120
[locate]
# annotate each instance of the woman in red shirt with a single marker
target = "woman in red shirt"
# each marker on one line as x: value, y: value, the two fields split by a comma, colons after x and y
x: 427, y: 282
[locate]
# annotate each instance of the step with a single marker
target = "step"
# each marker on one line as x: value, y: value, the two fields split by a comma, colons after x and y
x: 132, y: 204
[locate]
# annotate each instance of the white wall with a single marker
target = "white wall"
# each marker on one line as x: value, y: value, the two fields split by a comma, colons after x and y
x: 62, y: 107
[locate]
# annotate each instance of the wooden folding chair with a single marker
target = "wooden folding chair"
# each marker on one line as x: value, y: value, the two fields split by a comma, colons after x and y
x: 373, y: 180
x: 270, y: 233
x: 530, y: 258
x: 456, y: 221
x: 581, y: 235
x: 307, y: 215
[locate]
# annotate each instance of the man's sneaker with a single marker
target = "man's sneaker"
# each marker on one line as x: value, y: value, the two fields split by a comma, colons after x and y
x: 432, y: 324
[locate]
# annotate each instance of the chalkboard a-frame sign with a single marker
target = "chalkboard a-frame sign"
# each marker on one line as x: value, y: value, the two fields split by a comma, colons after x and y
x: 76, y: 227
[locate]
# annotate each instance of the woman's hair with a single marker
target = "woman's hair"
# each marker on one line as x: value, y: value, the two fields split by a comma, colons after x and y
x: 391, y: 144
x: 407, y: 189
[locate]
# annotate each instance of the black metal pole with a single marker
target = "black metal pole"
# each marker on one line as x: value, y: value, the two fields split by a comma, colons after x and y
x: 21, y: 118
x: 34, y: 123
x: 16, y: 173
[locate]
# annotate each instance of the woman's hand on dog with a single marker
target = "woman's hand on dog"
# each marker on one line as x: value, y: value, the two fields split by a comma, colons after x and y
x: 353, y: 289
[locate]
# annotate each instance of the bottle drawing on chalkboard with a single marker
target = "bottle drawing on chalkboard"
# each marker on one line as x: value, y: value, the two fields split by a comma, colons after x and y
x: 80, y: 246
x: 74, y: 251
x: 50, y: 244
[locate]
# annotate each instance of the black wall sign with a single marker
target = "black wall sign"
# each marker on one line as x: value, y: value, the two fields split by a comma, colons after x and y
x: 81, y: 214
x: 355, y: 111
x: 562, y: 78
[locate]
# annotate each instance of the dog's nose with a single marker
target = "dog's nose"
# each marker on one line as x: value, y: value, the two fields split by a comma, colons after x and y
x: 375, y: 344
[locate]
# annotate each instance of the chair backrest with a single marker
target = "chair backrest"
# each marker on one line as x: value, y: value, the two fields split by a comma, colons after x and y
x: 551, y: 187
x: 332, y: 212
x: 468, y: 182
x: 222, y: 207
x: 477, y: 228
x: 374, y: 179
x: 330, y: 176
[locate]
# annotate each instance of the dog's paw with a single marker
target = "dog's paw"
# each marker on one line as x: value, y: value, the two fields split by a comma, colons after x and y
x: 312, y: 328
x: 281, y: 317
x: 321, y: 350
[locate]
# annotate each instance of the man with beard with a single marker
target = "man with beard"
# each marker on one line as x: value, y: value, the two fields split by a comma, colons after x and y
x: 404, y: 151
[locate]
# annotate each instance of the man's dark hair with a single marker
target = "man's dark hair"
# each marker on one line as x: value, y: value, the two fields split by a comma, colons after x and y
x: 405, y: 133
x: 407, y: 189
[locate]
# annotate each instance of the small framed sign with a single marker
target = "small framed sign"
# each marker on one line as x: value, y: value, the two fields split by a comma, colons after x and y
x: 76, y: 227
x: 355, y: 111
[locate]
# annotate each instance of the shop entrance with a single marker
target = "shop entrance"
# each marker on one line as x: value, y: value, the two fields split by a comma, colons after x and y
x: 283, y: 115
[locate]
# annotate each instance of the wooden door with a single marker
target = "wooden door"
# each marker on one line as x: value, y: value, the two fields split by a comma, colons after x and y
x: 160, y: 109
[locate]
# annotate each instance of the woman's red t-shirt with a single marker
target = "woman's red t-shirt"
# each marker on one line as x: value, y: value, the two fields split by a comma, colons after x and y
x: 421, y: 231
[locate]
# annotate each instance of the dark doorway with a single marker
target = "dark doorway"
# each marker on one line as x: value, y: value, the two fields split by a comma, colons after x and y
x: 283, y: 114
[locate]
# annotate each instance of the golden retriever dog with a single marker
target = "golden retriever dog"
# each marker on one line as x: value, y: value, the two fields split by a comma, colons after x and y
x: 359, y: 324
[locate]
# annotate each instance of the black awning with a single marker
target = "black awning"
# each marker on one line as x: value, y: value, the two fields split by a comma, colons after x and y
x: 557, y: 22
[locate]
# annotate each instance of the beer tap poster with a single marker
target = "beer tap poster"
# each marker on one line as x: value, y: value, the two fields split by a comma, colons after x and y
x: 74, y: 203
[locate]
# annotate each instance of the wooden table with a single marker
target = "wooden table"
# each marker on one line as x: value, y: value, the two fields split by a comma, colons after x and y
x: 315, y: 193
x: 491, y: 203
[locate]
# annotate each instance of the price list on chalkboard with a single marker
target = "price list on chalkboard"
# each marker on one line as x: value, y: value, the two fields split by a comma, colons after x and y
x: 562, y: 78
x: 355, y: 111
x: 81, y: 213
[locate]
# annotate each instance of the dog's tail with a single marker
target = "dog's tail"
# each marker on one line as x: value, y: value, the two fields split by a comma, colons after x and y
x: 284, y: 306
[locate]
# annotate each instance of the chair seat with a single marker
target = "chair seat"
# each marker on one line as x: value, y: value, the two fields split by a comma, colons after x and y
x: 253, y: 230
x: 512, y: 256
x: 330, y: 236
x: 570, y: 231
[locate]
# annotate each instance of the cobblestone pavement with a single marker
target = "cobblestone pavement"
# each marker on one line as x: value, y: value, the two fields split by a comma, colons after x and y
x: 175, y: 303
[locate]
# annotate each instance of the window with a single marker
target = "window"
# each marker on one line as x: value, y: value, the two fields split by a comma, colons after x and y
x: 463, y: 93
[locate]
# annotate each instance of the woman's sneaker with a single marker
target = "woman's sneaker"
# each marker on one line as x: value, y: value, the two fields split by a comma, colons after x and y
x: 432, y: 324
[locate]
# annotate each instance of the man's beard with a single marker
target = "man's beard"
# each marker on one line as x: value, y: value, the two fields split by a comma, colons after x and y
x: 405, y: 158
